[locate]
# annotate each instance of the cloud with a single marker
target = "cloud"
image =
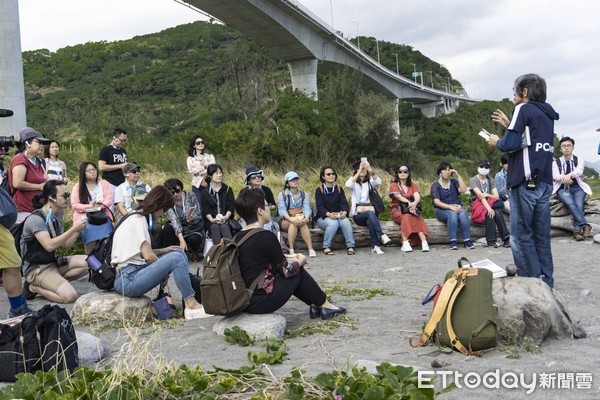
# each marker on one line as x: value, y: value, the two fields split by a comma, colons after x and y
x: 485, y: 45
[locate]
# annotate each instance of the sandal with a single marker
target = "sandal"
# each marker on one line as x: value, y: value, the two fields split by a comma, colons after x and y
x: 350, y: 251
x: 327, y: 251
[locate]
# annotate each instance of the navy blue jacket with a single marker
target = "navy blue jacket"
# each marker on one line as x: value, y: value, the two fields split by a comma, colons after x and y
x: 330, y: 202
x: 534, y: 161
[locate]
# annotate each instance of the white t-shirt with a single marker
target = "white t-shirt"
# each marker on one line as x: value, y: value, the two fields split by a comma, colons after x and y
x: 123, y: 194
x: 128, y: 239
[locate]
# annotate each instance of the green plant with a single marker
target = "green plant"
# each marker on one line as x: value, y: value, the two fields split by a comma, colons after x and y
x: 325, y: 327
x: 276, y: 353
x: 361, y: 293
x: 237, y: 335
x: 390, y: 382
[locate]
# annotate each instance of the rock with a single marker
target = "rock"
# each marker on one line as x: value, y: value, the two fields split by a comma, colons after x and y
x: 258, y: 326
x: 90, y: 348
x: 585, y: 293
x: 527, y: 307
x: 597, y: 238
x: 511, y: 269
x: 111, y: 306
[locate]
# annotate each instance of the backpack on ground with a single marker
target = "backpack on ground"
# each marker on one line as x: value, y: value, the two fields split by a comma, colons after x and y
x: 38, y: 343
x: 101, y: 272
x: 223, y: 289
x: 464, y: 316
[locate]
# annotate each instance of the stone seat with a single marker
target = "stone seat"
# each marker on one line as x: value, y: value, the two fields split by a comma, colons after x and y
x: 258, y: 326
x: 112, y: 306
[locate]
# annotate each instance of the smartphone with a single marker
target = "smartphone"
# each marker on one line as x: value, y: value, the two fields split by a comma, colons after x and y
x: 363, y: 159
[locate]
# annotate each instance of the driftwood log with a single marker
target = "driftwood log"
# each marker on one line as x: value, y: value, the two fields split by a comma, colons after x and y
x: 438, y: 234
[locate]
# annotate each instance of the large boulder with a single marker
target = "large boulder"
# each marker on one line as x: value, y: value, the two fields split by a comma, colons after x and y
x: 258, y: 326
x: 90, y: 348
x: 111, y: 306
x: 527, y: 307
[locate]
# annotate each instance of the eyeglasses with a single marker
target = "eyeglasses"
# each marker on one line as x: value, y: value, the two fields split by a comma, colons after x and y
x: 66, y: 195
x: 176, y: 191
x: 92, y: 170
x: 122, y: 140
x: 255, y: 176
x: 403, y: 171
x: 330, y: 174
x: 566, y: 145
x: 199, y: 142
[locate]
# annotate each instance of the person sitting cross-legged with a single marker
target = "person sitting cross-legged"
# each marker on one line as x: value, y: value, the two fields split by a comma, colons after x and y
x: 570, y: 188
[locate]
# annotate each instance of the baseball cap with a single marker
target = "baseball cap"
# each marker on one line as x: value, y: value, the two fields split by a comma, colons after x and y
x: 291, y: 175
x: 485, y: 161
x: 27, y: 134
x: 129, y: 167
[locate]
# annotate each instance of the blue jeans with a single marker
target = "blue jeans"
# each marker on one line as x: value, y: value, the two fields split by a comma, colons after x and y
x: 574, y: 199
x: 370, y: 220
x: 454, y: 221
x: 331, y: 226
x: 136, y: 280
x: 530, y: 226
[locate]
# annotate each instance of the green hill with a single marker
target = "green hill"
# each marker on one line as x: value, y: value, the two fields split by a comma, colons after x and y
x: 208, y: 79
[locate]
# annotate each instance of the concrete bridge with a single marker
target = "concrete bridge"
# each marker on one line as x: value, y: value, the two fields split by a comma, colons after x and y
x: 294, y: 34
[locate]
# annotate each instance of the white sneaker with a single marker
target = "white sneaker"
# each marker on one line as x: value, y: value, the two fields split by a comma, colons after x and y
x: 195, y: 313
x: 424, y: 247
x: 291, y: 252
x: 406, y: 247
x: 376, y: 250
x: 385, y: 239
x: 312, y: 253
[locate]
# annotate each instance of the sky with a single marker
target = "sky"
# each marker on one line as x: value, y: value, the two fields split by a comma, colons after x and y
x: 485, y: 45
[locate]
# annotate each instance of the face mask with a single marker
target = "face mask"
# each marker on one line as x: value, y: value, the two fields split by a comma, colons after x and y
x: 483, y: 171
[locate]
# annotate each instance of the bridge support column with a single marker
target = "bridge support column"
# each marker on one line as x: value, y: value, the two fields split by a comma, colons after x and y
x: 394, y: 105
x: 304, y: 76
x: 12, y: 92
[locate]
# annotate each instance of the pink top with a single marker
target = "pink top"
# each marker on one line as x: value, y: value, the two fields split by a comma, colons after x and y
x: 79, y: 207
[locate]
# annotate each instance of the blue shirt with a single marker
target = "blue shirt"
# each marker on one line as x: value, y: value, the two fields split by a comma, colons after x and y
x: 446, y: 196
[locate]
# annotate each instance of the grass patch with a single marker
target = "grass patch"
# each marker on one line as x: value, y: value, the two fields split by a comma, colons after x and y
x: 323, y: 327
x: 359, y: 293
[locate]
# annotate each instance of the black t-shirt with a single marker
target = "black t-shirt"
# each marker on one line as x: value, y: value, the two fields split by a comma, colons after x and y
x: 257, y: 252
x: 112, y: 156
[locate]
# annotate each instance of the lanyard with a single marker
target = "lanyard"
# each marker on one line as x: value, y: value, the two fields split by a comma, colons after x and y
x: 50, y: 223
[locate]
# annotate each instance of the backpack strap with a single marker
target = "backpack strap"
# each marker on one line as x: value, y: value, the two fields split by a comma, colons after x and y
x: 248, y: 235
x: 559, y: 165
x: 438, y: 311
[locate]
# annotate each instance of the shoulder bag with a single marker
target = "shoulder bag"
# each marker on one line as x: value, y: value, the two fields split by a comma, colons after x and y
x: 8, y: 210
x: 376, y: 200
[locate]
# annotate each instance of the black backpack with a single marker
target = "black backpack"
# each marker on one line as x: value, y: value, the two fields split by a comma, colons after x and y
x: 36, y: 254
x: 101, y: 272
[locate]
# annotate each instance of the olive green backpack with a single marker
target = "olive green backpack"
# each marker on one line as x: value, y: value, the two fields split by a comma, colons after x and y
x: 464, y: 316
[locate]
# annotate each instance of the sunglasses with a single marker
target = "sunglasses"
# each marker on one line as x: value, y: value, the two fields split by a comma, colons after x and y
x: 403, y: 171
x: 176, y: 191
x: 199, y: 142
x: 135, y: 171
x: 330, y: 174
x: 484, y: 166
x: 255, y: 177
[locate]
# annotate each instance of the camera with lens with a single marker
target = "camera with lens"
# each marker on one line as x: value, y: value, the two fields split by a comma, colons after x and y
x: 61, y: 261
x: 6, y: 141
x: 504, y: 197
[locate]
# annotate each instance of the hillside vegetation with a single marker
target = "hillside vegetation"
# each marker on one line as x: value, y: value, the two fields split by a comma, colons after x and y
x: 208, y: 79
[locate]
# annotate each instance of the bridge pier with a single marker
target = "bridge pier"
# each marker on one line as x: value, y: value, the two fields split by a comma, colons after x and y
x: 12, y: 93
x: 396, y: 124
x: 304, y: 76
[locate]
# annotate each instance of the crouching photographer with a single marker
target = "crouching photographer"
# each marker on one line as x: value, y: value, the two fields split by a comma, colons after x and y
x: 46, y: 273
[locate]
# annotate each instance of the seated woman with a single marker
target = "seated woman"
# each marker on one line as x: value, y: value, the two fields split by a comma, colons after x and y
x: 447, y: 206
x: 486, y: 202
x: 185, y: 228
x: 217, y: 204
x: 141, y: 268
x: 362, y: 211
x: 45, y: 273
x: 262, y: 255
x: 332, y: 210
x: 294, y: 210
x: 254, y: 180
x: 406, y: 210
x: 92, y: 192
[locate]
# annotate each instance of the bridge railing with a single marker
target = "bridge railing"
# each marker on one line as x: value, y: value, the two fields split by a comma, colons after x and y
x: 351, y: 47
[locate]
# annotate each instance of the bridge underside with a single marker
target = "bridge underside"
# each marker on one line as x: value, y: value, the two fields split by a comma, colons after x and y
x: 309, y: 47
